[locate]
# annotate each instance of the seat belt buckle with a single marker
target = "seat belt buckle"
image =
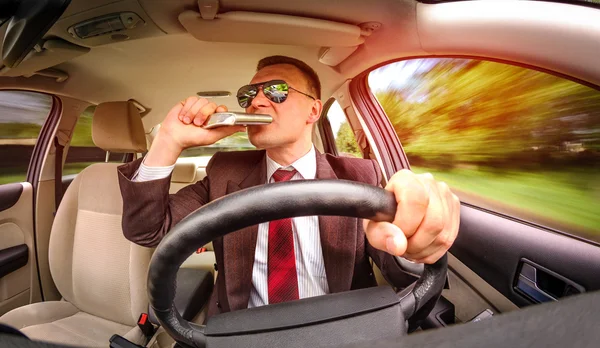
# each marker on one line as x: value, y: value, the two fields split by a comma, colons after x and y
x: 200, y: 250
x: 145, y: 325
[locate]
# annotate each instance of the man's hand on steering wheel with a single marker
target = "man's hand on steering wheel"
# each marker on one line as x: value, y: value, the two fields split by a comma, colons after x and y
x: 426, y: 221
x: 255, y: 205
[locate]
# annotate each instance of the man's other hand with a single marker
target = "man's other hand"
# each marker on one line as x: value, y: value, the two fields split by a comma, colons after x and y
x: 426, y: 221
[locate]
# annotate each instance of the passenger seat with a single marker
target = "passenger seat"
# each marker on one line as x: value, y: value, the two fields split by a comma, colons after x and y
x: 185, y: 174
x: 100, y: 274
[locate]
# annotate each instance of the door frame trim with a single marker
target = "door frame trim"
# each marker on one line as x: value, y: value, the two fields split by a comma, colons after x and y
x: 34, y: 170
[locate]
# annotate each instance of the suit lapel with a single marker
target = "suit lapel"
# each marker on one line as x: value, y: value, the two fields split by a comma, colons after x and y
x: 337, y: 234
x: 338, y: 239
x: 239, y: 246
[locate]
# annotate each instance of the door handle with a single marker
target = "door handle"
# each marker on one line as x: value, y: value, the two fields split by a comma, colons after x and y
x: 539, y: 284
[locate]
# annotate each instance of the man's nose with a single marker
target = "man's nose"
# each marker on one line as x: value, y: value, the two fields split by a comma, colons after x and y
x: 260, y: 101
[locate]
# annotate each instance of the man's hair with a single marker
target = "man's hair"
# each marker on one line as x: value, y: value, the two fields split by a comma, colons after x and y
x: 311, y: 76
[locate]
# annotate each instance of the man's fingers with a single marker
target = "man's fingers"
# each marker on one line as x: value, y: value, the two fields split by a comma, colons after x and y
x: 203, y: 113
x: 412, y: 198
x: 436, y: 217
x: 440, y: 246
x: 177, y: 110
x: 208, y: 109
x: 431, y: 259
x: 189, y: 102
x: 446, y: 237
x: 385, y: 236
x: 192, y: 113
x: 195, y: 110
x: 196, y: 114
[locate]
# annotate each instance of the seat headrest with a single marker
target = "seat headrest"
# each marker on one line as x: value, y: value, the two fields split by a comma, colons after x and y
x: 117, y: 127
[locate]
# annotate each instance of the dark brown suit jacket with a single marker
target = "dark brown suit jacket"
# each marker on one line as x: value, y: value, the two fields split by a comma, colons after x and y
x: 149, y: 212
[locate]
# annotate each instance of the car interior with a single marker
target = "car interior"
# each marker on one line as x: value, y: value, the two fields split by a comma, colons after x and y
x: 110, y: 70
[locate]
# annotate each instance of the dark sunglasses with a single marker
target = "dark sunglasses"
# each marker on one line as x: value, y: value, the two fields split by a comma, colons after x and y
x: 276, y: 91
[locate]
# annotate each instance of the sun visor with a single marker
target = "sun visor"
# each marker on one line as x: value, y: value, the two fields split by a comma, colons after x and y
x: 267, y: 28
x: 51, y: 53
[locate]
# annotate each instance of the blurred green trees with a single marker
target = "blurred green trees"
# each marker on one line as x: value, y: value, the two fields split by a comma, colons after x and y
x: 345, y: 141
x: 506, y: 138
x: 82, y: 134
x: 467, y: 111
x: 19, y: 130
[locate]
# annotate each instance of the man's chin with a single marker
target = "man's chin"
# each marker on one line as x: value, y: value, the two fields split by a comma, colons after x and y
x: 256, y: 137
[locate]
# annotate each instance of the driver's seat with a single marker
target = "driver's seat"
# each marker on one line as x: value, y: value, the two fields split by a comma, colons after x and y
x: 100, y: 274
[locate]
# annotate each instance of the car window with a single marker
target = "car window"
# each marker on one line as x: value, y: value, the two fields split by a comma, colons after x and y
x: 345, y: 141
x: 510, y: 139
x: 22, y: 115
x: 82, y: 150
x: 236, y: 142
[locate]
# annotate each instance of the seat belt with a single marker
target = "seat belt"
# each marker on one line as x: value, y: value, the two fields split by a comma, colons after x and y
x: 58, y: 157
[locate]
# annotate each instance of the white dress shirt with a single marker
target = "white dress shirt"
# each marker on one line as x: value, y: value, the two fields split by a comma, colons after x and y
x: 310, y: 267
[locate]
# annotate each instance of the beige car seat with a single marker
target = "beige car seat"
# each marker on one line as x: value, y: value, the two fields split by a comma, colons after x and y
x: 100, y: 274
x: 185, y: 174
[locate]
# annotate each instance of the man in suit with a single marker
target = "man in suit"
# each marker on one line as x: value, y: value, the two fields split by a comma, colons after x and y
x: 292, y: 258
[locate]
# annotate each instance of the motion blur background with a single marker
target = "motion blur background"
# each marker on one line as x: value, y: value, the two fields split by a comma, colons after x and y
x: 506, y: 138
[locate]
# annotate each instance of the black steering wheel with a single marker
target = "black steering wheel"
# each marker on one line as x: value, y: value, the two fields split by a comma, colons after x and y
x: 340, y: 317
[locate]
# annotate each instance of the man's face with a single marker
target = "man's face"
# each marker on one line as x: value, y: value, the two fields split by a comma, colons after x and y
x: 291, y: 119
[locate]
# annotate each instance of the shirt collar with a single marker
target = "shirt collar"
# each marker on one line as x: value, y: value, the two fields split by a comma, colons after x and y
x: 305, y: 165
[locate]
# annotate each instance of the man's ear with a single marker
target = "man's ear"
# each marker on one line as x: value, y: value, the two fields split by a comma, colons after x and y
x: 315, y: 111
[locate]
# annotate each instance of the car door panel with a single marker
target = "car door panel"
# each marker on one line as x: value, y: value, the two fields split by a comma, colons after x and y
x: 496, y: 247
x: 9, y: 195
x: 17, y: 257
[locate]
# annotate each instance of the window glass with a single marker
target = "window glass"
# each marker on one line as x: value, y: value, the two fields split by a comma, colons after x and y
x: 22, y: 115
x: 345, y: 141
x: 506, y: 138
x: 82, y: 151
x: 236, y: 142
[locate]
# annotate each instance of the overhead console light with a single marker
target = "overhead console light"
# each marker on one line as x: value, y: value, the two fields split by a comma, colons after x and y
x: 107, y: 24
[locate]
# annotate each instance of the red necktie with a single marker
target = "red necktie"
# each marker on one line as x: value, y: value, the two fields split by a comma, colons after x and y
x: 281, y: 261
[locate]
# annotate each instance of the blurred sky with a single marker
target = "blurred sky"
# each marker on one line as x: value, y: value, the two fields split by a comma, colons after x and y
x: 399, y: 73
x: 391, y: 75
